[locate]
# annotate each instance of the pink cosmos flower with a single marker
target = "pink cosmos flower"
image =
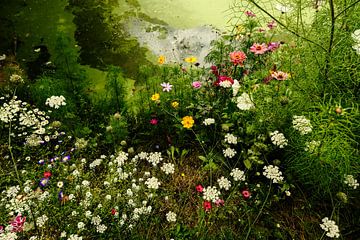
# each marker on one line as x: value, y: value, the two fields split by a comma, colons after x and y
x: 154, y: 121
x: 18, y: 223
x: 199, y: 188
x: 246, y: 194
x: 250, y: 14
x: 196, y: 84
x: 166, y: 86
x: 279, y: 75
x: 271, y: 25
x: 258, y: 48
x: 273, y: 46
x: 219, y: 202
x: 238, y: 57
x: 207, y: 206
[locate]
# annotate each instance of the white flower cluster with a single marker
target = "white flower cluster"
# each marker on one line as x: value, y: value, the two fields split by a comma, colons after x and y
x: 40, y: 221
x: 235, y: 87
x: 171, y: 216
x: 55, y: 101
x: 356, y: 37
x: 209, y: 121
x: 95, y: 163
x: 229, y: 152
x: 15, y: 78
x: 153, y: 183
x: 230, y: 138
x: 154, y: 158
x: 302, y: 124
x: 237, y: 174
x: 141, y: 211
x: 224, y: 183
x: 225, y: 84
x: 168, y: 168
x: 273, y: 173
x: 351, y: 181
x: 80, y: 143
x: 278, y: 139
x: 96, y: 220
x: 312, y: 146
x: 211, y: 194
x: 330, y: 227
x: 243, y: 102
x: 121, y: 158
x: 74, y: 237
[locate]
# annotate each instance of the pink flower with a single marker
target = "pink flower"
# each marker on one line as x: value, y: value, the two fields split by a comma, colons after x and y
x: 279, y: 75
x: 246, y: 194
x: 258, y: 48
x: 219, y: 202
x: 154, y: 121
x: 47, y: 174
x: 207, y: 206
x: 18, y: 223
x: 238, y: 57
x: 199, y: 188
x: 273, y: 46
x: 166, y: 86
x: 196, y: 84
x: 250, y: 14
x: 1, y: 229
x: 271, y: 25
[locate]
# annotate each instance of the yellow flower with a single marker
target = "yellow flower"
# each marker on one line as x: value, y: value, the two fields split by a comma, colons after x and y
x: 161, y: 59
x: 191, y: 59
x: 187, y: 121
x: 174, y: 104
x: 183, y: 174
x: 155, y: 97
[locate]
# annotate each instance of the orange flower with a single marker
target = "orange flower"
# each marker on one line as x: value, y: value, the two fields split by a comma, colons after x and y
x: 187, y: 122
x: 238, y: 57
x: 161, y: 59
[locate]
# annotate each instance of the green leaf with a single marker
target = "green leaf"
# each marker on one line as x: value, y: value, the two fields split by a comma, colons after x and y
x: 203, y: 158
x: 247, y: 163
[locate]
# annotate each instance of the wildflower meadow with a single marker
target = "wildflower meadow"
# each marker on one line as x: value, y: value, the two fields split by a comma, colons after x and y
x: 102, y: 139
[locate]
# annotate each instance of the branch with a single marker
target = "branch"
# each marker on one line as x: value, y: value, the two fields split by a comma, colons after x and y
x: 351, y: 5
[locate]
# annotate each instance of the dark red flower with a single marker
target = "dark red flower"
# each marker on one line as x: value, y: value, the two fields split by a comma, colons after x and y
x: 207, y: 206
x: 246, y: 194
x: 113, y: 211
x: 47, y: 174
x: 199, y: 188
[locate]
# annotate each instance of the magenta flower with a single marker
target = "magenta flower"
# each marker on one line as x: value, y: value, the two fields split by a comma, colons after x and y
x: 273, y: 46
x: 271, y: 25
x: 246, y: 194
x: 250, y: 14
x: 196, y: 84
x: 258, y: 48
x: 18, y: 223
x: 199, y: 188
x: 166, y: 87
x: 154, y: 121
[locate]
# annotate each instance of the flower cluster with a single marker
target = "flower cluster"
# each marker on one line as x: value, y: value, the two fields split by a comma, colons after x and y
x: 273, y: 173
x: 330, y: 227
x: 351, y: 181
x: 243, y: 102
x: 302, y: 124
x: 356, y: 37
x: 55, y: 101
x: 211, y: 194
x: 168, y: 168
x: 312, y: 146
x: 153, y: 183
x: 278, y: 139
x: 237, y: 174
x: 224, y: 183
x: 15, y: 78
x: 171, y: 216
x: 230, y: 138
x: 229, y: 152
x: 209, y: 121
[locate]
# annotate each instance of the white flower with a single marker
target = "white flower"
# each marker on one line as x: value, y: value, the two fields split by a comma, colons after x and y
x: 356, y: 47
x: 288, y: 193
x: 74, y: 213
x: 171, y: 216
x: 235, y: 87
x: 101, y: 228
x: 225, y: 84
x: 209, y: 121
x: 96, y: 220
x: 224, y: 183
x: 85, y: 183
x: 55, y: 101
x: 356, y: 36
x: 278, y: 139
x: 230, y: 138
x: 283, y: 8
x: 312, y: 146
x: 108, y: 197
x: 81, y: 225
x: 121, y: 158
x: 273, y: 173
x: 40, y: 221
x: 229, y: 152
x: 154, y: 158
x: 351, y: 181
x: 238, y: 175
x: 153, y: 183
x: 302, y: 124
x: 244, y: 102
x: 74, y: 237
x: 88, y: 214
x: 211, y: 194
x: 168, y: 168
x: 330, y: 227
x: 60, y: 184
x: 16, y: 78
x: 63, y: 234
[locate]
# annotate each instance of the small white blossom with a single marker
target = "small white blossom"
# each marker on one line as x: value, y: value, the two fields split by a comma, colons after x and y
x: 330, y: 227
x: 229, y: 152
x: 273, y: 173
x: 211, y: 194
x: 225, y: 84
x: 171, y: 216
x: 238, y: 175
x: 244, y: 102
x: 40, y: 221
x: 55, y: 101
x: 153, y: 183
x: 168, y: 168
x: 302, y: 124
x: 101, y: 228
x: 278, y: 139
x: 230, y: 138
x: 81, y: 225
x: 312, y: 146
x: 224, y: 183
x: 351, y: 181
x: 154, y: 158
x: 74, y: 237
x: 209, y: 121
x: 60, y: 184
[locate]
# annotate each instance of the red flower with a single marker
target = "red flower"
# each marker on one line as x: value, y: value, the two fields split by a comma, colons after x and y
x: 222, y: 79
x: 113, y: 211
x: 154, y: 121
x: 246, y: 194
x: 47, y: 174
x: 207, y: 206
x: 199, y: 188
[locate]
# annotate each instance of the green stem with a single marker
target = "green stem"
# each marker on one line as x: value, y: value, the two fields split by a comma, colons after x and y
x: 12, y: 155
